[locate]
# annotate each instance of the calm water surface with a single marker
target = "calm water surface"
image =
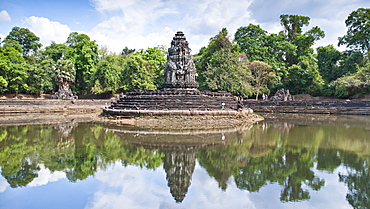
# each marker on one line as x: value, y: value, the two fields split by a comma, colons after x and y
x: 286, y: 161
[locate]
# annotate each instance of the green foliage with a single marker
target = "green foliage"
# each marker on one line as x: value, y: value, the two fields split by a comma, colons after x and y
x: 3, y: 84
x: 293, y: 32
x: 137, y: 74
x: 221, y: 68
x: 219, y: 42
x: 55, y: 51
x: 283, y: 51
x: 262, y: 75
x: 84, y: 54
x: 156, y: 58
x: 108, y: 74
x: 304, y: 78
x: 28, y: 40
x: 126, y: 51
x: 355, y: 84
x: 358, y: 32
x: 328, y: 63
x: 65, y: 71
x: 226, y: 73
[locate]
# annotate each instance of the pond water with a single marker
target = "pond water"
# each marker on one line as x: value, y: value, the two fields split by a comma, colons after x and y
x: 286, y: 161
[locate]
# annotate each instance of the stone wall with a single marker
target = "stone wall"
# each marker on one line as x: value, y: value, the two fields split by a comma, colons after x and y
x: 314, y: 107
x: 10, y: 106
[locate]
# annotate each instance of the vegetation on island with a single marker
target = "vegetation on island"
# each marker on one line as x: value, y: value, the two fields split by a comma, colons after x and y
x: 250, y: 63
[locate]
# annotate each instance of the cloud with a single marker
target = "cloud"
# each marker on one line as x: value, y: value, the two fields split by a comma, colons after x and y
x: 3, y: 184
x: 4, y: 16
x: 139, y: 188
x: 44, y: 176
x: 47, y: 30
x: 155, y: 22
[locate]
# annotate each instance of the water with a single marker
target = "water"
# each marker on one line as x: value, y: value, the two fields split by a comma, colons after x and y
x: 286, y: 161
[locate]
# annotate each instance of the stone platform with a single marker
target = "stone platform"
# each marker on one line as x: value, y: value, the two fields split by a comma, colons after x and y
x: 337, y: 107
x: 176, y: 102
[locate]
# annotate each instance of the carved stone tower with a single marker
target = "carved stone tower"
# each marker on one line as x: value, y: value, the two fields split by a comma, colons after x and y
x: 179, y: 71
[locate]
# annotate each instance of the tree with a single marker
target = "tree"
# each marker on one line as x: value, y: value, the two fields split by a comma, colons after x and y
x: 358, y: 32
x: 328, y: 62
x: 28, y: 40
x: 65, y: 73
x: 156, y: 58
x: 261, y: 74
x: 12, y: 70
x: 219, y: 42
x: 258, y: 45
x: 226, y: 73
x: 126, y: 51
x: 293, y: 25
x: 293, y: 31
x: 304, y: 77
x: 108, y: 74
x: 84, y: 54
x: 354, y: 84
x: 137, y: 74
x: 55, y: 51
x: 214, y: 60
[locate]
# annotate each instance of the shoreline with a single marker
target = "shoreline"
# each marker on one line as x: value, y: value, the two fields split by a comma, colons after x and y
x: 53, y: 111
x: 335, y: 107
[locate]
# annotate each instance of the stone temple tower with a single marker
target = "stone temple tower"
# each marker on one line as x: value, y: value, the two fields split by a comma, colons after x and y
x: 179, y: 71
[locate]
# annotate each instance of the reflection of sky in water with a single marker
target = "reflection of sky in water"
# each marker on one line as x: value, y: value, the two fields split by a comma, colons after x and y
x: 133, y: 187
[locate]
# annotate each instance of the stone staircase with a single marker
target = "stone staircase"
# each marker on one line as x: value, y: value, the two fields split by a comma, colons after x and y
x: 183, y: 102
x: 176, y: 100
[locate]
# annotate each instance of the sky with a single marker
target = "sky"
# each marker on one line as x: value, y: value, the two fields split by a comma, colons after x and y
x: 139, y: 24
x: 119, y: 186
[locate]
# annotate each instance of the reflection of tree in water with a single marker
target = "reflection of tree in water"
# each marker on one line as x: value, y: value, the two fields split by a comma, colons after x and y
x: 357, y: 180
x: 179, y: 166
x: 21, y: 176
x: 254, y: 158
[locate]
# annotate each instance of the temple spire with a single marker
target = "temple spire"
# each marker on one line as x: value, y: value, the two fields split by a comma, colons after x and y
x: 179, y: 71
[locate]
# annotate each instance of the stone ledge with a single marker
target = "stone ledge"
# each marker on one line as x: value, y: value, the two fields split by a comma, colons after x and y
x: 340, y: 107
x: 138, y: 113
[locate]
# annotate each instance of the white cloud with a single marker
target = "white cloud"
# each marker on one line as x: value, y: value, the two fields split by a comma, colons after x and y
x: 44, y: 176
x: 142, y: 24
x: 3, y: 184
x: 4, y: 16
x: 133, y: 187
x: 47, y: 30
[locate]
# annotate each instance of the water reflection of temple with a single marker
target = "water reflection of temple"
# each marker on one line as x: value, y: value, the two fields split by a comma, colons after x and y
x: 180, y: 148
x: 179, y: 166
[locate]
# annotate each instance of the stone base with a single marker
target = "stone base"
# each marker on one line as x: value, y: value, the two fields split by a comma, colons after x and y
x: 175, y: 102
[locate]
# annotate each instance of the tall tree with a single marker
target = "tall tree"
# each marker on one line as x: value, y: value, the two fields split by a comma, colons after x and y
x: 85, y: 58
x: 28, y: 40
x: 214, y: 60
x: 258, y: 45
x: 293, y: 31
x: 328, y: 62
x: 358, y: 32
x: 13, y: 70
x: 226, y: 72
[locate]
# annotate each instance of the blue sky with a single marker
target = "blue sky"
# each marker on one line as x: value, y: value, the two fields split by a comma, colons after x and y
x: 148, y: 23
